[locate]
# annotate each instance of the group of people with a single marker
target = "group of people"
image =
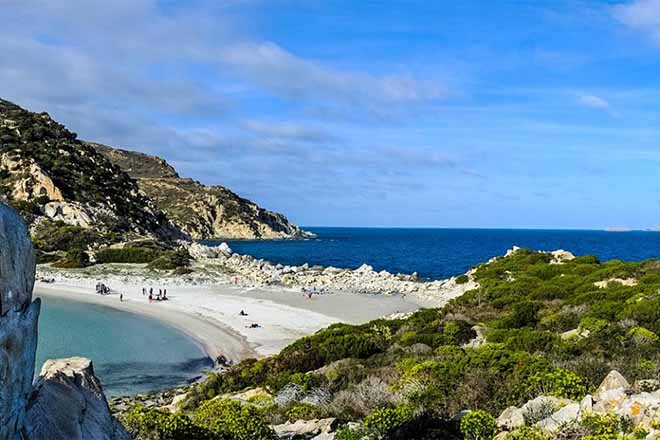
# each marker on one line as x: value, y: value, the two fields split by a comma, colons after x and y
x: 160, y: 296
x: 102, y: 289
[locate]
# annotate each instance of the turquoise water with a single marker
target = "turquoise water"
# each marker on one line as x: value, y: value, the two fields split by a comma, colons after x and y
x: 441, y: 253
x: 131, y: 354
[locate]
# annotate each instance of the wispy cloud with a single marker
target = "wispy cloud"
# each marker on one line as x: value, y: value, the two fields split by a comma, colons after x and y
x: 293, y: 77
x: 597, y: 103
x: 642, y: 16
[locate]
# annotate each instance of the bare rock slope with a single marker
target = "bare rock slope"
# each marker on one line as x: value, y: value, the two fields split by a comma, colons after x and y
x: 203, y: 212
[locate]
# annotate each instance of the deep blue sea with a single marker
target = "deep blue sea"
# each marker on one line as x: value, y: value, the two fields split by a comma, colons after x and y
x: 131, y: 354
x: 440, y: 253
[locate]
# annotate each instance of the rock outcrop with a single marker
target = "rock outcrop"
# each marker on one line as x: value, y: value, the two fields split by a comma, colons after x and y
x: 249, y: 271
x: 18, y: 323
x: 613, y: 396
x: 203, y: 212
x: 67, y: 403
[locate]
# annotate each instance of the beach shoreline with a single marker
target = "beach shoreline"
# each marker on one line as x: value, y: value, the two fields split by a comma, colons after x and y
x: 210, y: 314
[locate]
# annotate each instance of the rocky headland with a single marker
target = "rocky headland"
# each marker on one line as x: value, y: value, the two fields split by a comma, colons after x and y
x: 53, y: 179
x: 201, y: 211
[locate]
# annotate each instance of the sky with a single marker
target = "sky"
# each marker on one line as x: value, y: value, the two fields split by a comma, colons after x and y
x: 400, y: 113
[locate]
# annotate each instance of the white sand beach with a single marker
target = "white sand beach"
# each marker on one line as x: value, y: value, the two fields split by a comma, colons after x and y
x: 210, y: 314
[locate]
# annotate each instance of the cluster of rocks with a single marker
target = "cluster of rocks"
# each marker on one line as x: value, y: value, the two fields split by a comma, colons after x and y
x: 249, y: 271
x: 168, y: 399
x: 640, y: 403
x: 67, y: 402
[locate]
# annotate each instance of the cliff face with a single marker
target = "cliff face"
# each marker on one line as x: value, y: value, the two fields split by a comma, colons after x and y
x: 18, y: 323
x: 67, y: 403
x: 203, y: 212
x: 47, y: 173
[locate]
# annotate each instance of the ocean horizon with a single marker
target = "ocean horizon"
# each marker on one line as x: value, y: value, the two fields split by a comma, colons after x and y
x: 438, y: 253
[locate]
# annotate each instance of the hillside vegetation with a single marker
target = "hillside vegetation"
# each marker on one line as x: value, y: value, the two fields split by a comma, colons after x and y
x: 550, y: 329
x: 49, y: 175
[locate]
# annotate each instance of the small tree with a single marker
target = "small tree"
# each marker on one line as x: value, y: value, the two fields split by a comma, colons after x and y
x: 478, y: 425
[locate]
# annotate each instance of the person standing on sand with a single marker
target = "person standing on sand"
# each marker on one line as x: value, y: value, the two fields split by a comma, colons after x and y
x: 121, y: 297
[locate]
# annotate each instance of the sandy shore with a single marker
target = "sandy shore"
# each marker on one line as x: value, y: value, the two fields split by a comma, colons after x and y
x: 210, y: 314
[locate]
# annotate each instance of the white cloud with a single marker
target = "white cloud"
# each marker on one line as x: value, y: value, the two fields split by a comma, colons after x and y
x: 598, y: 103
x: 642, y: 16
x: 285, y: 74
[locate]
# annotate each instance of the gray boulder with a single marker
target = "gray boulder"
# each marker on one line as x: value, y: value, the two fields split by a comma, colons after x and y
x: 68, y: 404
x: 306, y: 429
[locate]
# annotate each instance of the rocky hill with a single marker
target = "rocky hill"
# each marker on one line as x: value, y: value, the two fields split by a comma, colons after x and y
x: 203, y: 212
x: 54, y: 179
x: 51, y: 176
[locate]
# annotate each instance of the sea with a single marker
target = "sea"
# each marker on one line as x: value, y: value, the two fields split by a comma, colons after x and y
x: 131, y: 354
x: 442, y: 253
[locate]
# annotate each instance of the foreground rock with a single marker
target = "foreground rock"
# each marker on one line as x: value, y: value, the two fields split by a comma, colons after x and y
x: 68, y: 404
x: 613, y: 396
x: 306, y: 429
x: 18, y: 323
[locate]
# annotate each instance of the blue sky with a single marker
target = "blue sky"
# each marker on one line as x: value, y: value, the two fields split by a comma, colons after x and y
x: 512, y: 113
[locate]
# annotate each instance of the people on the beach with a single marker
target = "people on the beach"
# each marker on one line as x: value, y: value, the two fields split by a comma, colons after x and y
x: 160, y: 296
x: 242, y: 313
x: 121, y: 297
x: 102, y: 289
x: 253, y: 325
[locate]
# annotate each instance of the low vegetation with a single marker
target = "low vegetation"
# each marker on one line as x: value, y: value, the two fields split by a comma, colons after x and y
x: 552, y: 329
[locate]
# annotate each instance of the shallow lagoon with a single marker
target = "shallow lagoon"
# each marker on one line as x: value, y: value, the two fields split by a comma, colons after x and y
x: 132, y: 354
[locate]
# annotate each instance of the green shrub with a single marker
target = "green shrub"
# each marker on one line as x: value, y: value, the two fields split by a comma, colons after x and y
x: 73, y: 259
x: 478, y: 425
x: 526, y: 433
x: 232, y: 420
x: 462, y: 279
x: 348, y: 433
x: 152, y: 424
x: 383, y: 422
x: 56, y: 236
x: 302, y: 411
x: 171, y: 260
x: 126, y: 255
x: 558, y: 382
x: 642, y: 336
